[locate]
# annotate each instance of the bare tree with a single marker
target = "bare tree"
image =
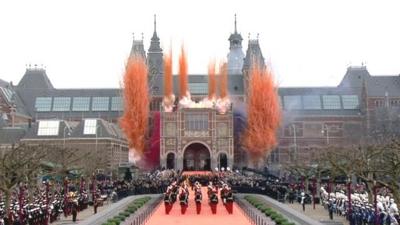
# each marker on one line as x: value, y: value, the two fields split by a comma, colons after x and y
x: 372, y: 163
x: 65, y: 159
x: 306, y: 170
x: 18, y: 164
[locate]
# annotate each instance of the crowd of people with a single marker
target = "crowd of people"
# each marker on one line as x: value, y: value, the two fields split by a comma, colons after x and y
x: 31, y: 206
x: 50, y: 200
x: 45, y: 202
x: 362, y: 210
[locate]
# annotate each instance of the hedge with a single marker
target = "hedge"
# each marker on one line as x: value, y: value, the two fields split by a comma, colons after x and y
x: 269, y: 212
x: 132, y: 207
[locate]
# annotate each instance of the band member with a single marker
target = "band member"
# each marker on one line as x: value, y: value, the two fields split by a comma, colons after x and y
x: 197, y: 192
x: 168, y: 201
x: 184, y: 194
x: 213, y: 193
x: 226, y: 194
x: 210, y: 187
x: 74, y: 210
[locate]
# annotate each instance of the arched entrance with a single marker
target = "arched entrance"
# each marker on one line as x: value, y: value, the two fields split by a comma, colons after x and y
x: 171, y: 161
x: 196, y: 157
x: 222, y: 160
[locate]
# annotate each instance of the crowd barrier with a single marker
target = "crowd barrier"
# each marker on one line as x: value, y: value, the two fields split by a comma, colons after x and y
x: 253, y: 214
x: 142, y: 215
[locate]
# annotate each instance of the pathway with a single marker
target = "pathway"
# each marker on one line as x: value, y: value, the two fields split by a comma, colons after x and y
x: 81, y: 215
x: 319, y: 213
x: 191, y: 217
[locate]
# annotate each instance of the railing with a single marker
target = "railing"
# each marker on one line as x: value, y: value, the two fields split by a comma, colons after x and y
x: 254, y: 215
x: 143, y: 215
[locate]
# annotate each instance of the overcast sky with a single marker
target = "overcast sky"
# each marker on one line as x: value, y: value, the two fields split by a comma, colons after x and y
x: 84, y: 43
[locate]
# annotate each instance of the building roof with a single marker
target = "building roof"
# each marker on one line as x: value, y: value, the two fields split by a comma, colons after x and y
x: 376, y: 86
x: 380, y: 85
x: 29, y: 98
x: 76, y: 129
x: 3, y: 83
x: 317, y: 101
x: 104, y: 130
x: 21, y: 107
x: 35, y: 78
x: 11, y: 97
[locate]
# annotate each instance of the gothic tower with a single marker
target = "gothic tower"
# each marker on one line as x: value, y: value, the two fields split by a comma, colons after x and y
x: 254, y: 57
x: 137, y: 49
x: 235, y: 55
x: 155, y: 63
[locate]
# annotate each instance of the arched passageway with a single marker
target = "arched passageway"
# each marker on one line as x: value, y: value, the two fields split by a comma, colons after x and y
x: 196, y: 157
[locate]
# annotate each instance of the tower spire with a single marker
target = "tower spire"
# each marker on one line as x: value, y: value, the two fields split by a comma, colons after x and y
x: 155, y: 37
x: 155, y: 23
x: 235, y: 25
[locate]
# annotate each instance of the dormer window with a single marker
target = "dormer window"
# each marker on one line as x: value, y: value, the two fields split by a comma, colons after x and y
x: 90, y: 126
x: 48, y: 128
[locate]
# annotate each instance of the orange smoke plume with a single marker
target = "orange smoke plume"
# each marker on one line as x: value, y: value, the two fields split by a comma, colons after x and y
x: 223, y: 81
x: 183, y: 74
x: 168, y: 74
x: 134, y: 122
x: 263, y: 114
x: 212, y: 84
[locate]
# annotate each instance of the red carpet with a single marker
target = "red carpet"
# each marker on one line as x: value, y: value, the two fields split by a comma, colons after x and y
x: 222, y: 217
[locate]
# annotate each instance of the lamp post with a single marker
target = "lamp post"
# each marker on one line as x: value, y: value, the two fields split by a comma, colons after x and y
x: 46, y: 220
x: 329, y: 187
x: 349, y: 197
x: 21, y: 202
x: 94, y: 192
x: 97, y: 127
x: 66, y: 211
x: 314, y: 190
x: 293, y: 126
x: 65, y: 133
x: 325, y: 130
x: 376, y: 222
x: 81, y: 185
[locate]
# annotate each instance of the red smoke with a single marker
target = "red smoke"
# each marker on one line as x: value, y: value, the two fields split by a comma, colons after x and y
x: 134, y: 122
x: 212, y: 85
x: 223, y: 81
x: 183, y: 74
x: 168, y: 74
x: 263, y: 114
x: 153, y: 155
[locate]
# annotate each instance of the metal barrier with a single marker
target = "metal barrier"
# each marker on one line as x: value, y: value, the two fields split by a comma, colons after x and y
x: 254, y: 215
x: 143, y: 216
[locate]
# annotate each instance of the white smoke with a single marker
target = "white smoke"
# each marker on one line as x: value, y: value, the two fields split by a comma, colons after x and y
x: 133, y: 158
x: 223, y: 105
x: 168, y: 103
x: 186, y: 101
x: 208, y: 103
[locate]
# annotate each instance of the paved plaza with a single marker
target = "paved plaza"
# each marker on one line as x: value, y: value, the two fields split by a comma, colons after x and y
x: 83, y: 215
x: 319, y: 213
